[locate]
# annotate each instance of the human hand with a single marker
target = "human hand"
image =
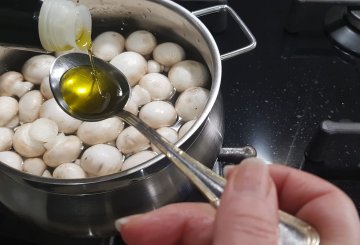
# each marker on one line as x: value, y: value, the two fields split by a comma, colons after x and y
x: 248, y: 213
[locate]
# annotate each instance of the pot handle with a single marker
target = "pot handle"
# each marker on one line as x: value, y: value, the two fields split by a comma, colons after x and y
x: 237, y: 19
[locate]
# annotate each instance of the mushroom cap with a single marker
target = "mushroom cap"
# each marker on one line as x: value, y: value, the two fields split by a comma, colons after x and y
x: 168, y: 53
x: 132, y: 65
x: 158, y: 86
x: 130, y: 141
x: 99, y: 132
x: 187, y: 74
x: 45, y: 88
x: 158, y: 114
x: 101, y: 159
x: 9, y: 107
x: 12, y: 83
x: 132, y: 107
x: 107, y: 45
x: 37, y: 67
x: 11, y: 159
x: 51, y: 110
x: 43, y: 130
x: 13, y: 123
x: 35, y: 166
x: 29, y: 106
x: 140, y: 96
x: 24, y: 144
x: 6, y: 138
x: 186, y: 127
x: 62, y: 149
x: 137, y: 159
x: 69, y: 171
x: 46, y: 174
x: 154, y: 67
x: 191, y: 103
x: 142, y: 42
x: 169, y: 134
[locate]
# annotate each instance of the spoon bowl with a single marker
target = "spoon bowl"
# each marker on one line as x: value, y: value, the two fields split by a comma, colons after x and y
x: 69, y: 61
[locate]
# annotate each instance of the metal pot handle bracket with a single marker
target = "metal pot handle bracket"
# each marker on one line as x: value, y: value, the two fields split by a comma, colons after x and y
x: 237, y: 19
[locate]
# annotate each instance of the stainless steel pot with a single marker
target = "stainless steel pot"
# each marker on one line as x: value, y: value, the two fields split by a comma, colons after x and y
x: 88, y: 207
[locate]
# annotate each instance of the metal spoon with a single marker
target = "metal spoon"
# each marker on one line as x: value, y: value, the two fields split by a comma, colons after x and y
x: 207, y: 181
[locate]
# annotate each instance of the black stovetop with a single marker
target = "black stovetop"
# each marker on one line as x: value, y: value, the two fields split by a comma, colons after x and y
x: 276, y: 96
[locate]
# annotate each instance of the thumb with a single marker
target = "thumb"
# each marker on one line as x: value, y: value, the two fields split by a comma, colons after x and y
x: 248, y: 212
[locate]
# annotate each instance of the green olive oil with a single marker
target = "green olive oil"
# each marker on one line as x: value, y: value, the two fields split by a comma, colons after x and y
x: 84, y: 95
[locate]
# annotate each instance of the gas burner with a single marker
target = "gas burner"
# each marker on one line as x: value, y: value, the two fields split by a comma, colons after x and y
x: 342, y: 24
x: 332, y: 152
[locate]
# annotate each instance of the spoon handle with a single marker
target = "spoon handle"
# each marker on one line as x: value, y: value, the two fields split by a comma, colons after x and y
x: 292, y: 230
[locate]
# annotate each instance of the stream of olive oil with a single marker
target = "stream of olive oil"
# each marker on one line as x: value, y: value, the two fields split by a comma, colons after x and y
x: 84, y: 42
x: 87, y: 89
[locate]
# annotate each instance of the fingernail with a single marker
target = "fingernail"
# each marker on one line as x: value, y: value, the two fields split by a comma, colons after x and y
x: 122, y: 221
x: 253, y: 177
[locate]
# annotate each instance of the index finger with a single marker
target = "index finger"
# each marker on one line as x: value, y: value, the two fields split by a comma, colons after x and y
x: 319, y: 203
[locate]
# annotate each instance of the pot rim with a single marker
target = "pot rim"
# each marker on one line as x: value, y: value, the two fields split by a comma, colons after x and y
x: 214, y: 91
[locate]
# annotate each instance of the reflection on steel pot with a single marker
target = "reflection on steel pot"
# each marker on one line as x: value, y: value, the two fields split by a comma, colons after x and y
x: 88, y: 207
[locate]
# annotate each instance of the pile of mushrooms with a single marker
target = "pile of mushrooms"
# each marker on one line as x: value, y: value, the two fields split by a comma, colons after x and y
x: 169, y: 93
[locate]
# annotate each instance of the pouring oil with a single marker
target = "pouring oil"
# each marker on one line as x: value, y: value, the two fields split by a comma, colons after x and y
x: 84, y: 42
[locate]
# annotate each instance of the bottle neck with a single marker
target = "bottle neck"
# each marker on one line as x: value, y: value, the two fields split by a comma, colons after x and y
x: 19, y: 23
x: 39, y: 25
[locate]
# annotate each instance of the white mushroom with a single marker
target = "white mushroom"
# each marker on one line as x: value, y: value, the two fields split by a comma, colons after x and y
x: 45, y: 88
x: 12, y: 83
x: 6, y: 138
x: 132, y: 65
x: 191, y: 103
x: 154, y: 67
x: 142, y: 42
x: 185, y: 128
x: 46, y: 174
x: 100, y: 132
x: 43, y: 130
x: 62, y: 149
x: 13, y: 123
x: 24, y: 144
x: 8, y: 109
x: 107, y: 45
x: 37, y: 67
x: 137, y: 159
x: 101, y: 160
x: 69, y: 171
x: 11, y: 159
x: 35, y: 166
x: 167, y: 133
x: 140, y: 96
x: 168, y: 53
x: 132, y: 107
x: 29, y: 106
x: 158, y: 114
x: 51, y: 110
x: 187, y: 74
x: 158, y: 86
x: 130, y: 140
